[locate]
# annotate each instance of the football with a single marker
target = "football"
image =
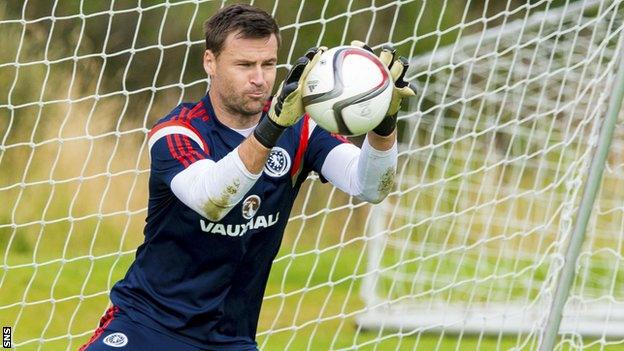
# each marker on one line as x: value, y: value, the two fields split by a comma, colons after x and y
x: 348, y: 91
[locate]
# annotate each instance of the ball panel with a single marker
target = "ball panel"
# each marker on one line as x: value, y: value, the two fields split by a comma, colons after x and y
x: 327, y: 70
x: 364, y: 111
x: 353, y: 78
x: 320, y: 79
x: 364, y: 116
x: 325, y: 119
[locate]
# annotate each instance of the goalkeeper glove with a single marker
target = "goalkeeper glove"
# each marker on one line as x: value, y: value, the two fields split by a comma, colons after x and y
x: 401, y: 89
x: 287, y: 106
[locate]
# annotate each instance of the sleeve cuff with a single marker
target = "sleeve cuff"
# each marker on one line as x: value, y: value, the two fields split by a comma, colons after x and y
x: 370, y: 150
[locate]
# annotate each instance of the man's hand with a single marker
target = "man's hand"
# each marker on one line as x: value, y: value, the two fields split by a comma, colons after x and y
x: 287, y: 106
x: 402, y: 89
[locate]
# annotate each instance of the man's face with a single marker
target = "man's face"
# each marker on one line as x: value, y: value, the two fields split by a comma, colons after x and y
x: 243, y: 74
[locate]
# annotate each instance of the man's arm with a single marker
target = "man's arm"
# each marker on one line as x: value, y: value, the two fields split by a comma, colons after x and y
x: 253, y: 154
x: 366, y: 173
x: 380, y: 142
x: 181, y: 161
x: 211, y: 188
x: 369, y: 173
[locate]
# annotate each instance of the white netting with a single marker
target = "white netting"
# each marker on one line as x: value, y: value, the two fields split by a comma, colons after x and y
x: 490, y: 183
x: 492, y: 163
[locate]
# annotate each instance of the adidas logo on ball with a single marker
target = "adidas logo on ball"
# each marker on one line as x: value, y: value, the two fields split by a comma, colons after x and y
x: 312, y: 85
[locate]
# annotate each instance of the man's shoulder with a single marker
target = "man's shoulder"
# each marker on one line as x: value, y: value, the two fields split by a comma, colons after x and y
x: 186, y: 113
x: 186, y: 119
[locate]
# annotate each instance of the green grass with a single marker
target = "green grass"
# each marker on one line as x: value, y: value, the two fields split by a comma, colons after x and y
x: 312, y: 294
x: 301, y: 308
x: 50, y: 320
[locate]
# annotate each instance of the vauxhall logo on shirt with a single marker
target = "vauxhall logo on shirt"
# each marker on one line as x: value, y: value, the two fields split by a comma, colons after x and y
x: 250, y: 206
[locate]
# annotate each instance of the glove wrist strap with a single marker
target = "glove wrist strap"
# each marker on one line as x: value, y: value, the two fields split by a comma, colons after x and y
x: 267, y: 132
x: 387, y: 125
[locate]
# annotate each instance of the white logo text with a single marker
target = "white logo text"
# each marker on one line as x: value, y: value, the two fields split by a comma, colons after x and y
x: 239, y: 229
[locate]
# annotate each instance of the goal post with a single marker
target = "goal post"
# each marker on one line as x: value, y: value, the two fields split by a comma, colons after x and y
x: 467, y: 251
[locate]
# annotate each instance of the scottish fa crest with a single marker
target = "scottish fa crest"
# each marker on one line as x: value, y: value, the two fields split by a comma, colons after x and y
x: 278, y: 163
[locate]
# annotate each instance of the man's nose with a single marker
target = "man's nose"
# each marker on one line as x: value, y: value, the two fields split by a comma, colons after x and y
x: 257, y: 76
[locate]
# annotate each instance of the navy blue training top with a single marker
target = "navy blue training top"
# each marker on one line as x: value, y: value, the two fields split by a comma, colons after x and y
x: 199, y: 281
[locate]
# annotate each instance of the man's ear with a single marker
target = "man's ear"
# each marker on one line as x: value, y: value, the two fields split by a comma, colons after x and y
x: 210, y: 63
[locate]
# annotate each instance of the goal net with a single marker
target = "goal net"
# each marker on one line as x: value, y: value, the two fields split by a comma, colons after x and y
x: 490, y: 179
x: 464, y: 254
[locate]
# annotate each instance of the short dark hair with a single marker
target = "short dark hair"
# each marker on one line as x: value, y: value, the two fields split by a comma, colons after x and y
x: 248, y: 21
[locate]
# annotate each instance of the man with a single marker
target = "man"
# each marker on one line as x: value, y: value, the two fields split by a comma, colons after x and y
x: 224, y: 175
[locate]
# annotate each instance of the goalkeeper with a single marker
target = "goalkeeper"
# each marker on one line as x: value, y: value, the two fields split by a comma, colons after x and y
x: 224, y: 175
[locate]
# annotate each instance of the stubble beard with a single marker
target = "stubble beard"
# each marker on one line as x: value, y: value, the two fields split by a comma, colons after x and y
x: 242, y: 106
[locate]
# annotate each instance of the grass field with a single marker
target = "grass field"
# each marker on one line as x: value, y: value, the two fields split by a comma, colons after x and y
x: 42, y: 318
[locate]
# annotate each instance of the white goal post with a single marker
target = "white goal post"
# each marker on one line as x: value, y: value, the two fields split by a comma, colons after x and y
x: 505, y: 228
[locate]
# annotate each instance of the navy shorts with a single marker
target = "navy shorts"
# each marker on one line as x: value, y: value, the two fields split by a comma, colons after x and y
x: 118, y: 333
